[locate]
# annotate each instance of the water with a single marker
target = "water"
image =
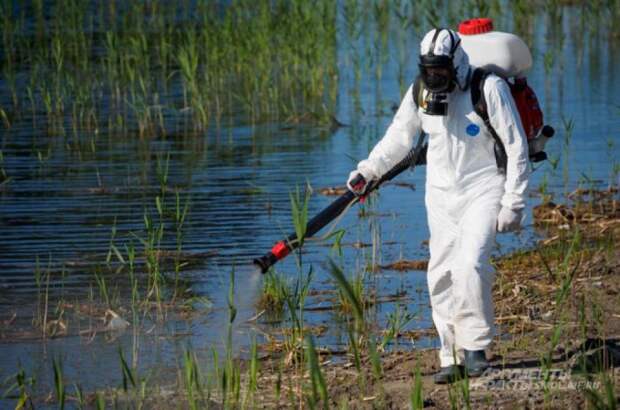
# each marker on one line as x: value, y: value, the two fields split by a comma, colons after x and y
x: 59, y: 208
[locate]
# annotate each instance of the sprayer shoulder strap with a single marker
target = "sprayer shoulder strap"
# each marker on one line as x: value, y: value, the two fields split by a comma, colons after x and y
x: 480, y: 107
x: 416, y: 93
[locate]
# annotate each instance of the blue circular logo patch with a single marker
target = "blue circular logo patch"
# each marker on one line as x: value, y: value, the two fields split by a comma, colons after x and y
x: 472, y: 130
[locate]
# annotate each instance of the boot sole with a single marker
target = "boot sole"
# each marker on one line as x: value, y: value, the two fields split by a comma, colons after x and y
x: 446, y: 381
x: 452, y: 378
x: 475, y: 372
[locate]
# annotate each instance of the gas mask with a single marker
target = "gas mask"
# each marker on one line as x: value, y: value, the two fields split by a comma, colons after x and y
x: 438, y: 76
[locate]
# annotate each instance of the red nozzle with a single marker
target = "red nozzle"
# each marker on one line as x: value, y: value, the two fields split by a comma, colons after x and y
x: 280, y: 250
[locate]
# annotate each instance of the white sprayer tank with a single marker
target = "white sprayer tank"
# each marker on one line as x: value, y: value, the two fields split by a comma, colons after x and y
x: 504, y: 54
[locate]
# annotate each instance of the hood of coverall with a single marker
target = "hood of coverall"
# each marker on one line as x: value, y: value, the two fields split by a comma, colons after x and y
x: 443, y: 45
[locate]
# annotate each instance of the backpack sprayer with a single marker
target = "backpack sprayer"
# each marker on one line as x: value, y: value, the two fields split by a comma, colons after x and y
x: 507, y: 56
x: 417, y: 156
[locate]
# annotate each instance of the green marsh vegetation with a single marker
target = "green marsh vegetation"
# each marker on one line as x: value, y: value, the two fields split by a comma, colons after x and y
x: 133, y: 67
x: 542, y: 298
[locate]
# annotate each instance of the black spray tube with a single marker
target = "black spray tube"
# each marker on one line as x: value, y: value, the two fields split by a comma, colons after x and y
x: 281, y: 249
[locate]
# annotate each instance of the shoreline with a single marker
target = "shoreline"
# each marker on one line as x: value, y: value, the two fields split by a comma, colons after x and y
x: 557, y: 345
x: 557, y: 314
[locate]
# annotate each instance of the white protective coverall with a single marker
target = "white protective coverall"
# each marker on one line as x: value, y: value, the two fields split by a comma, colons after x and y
x: 464, y: 194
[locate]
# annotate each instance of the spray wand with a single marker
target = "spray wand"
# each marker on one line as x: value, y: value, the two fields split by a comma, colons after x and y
x: 417, y: 156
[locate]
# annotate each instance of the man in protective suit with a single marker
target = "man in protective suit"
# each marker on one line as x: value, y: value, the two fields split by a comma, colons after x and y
x: 468, y: 199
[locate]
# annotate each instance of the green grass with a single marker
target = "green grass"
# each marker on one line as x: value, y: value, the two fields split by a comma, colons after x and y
x: 416, y: 399
x: 191, y: 380
x: 358, y: 288
x: 274, y: 293
x: 226, y: 59
x: 397, y: 320
x: 21, y: 390
x: 319, y: 388
x: 349, y: 293
x: 605, y: 397
x: 129, y: 378
x: 59, y: 383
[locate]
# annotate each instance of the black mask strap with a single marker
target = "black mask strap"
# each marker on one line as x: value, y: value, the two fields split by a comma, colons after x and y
x: 455, y: 44
x: 431, y: 51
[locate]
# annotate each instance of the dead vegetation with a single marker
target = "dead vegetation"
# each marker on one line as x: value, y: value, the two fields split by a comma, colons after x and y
x: 557, y: 317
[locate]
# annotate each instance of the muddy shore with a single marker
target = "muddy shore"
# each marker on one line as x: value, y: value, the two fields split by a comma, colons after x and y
x: 558, y: 317
x: 558, y: 343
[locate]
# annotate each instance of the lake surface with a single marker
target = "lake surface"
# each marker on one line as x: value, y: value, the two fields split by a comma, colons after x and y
x: 61, y: 205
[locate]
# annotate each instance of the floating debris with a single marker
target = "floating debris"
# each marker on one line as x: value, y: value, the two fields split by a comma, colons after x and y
x: 55, y: 328
x: 404, y: 265
x: 602, y: 209
x: 341, y: 190
x: 114, y: 322
x: 333, y: 191
x: 579, y: 193
x: 402, y: 184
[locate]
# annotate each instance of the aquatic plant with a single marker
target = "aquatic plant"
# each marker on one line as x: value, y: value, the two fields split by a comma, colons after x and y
x: 224, y: 57
x: 59, y: 384
x: 299, y: 215
x: 231, y: 373
x: 191, y: 379
x: 180, y: 215
x: 397, y: 320
x: 274, y: 293
x: 317, y: 381
x: 605, y: 397
x: 416, y: 399
x: 568, y: 125
x: 24, y: 386
x: 103, y: 289
x: 252, y: 384
x: 295, y: 297
x: 79, y: 395
x: 100, y: 401
x: 3, y: 175
x: 129, y: 377
x: 359, y: 329
x: 562, y: 293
